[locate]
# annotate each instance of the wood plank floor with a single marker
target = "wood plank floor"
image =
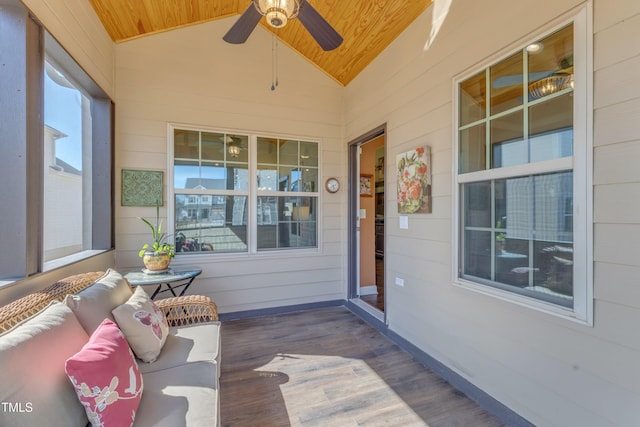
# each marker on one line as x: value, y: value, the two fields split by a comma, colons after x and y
x: 327, y: 367
x: 377, y: 301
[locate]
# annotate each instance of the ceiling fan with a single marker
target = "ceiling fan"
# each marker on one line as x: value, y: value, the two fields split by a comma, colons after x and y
x: 234, y: 145
x: 541, y: 83
x: 277, y: 13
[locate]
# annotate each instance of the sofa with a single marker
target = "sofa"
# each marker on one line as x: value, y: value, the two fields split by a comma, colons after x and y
x: 58, y: 344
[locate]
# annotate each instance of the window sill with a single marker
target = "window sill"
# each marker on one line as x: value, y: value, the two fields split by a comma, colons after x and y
x: 71, y: 259
x: 276, y: 253
x: 58, y: 263
x: 523, y: 301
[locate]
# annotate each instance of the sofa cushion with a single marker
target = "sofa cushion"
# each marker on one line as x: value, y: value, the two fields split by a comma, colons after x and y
x: 32, y: 378
x: 94, y: 304
x: 143, y: 324
x: 185, y: 395
x: 106, y: 377
x: 186, y: 344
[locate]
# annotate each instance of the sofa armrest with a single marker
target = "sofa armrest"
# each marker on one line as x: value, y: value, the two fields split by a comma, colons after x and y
x: 188, y: 309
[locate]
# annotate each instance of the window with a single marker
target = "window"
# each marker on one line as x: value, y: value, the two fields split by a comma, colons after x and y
x: 210, y: 164
x: 218, y: 209
x: 522, y: 171
x: 57, y: 153
x: 66, y: 110
x: 287, y: 193
x: 77, y: 161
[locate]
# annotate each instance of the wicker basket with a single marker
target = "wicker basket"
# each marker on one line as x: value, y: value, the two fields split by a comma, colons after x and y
x: 179, y: 311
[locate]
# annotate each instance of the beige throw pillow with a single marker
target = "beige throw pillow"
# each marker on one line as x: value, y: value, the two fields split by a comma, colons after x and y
x: 33, y: 383
x: 143, y: 324
x: 94, y: 304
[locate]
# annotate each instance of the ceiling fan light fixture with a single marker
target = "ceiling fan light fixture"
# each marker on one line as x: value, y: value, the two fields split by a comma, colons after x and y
x: 550, y: 85
x: 234, y: 151
x: 276, y: 18
x: 278, y: 12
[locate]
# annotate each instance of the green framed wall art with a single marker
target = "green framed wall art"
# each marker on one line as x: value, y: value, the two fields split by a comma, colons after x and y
x: 142, y: 188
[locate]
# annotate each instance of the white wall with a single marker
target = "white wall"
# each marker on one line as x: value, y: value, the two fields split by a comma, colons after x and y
x: 77, y: 28
x: 551, y: 371
x: 190, y: 76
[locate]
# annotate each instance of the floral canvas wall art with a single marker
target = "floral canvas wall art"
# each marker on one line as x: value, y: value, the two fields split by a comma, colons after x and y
x: 414, y: 181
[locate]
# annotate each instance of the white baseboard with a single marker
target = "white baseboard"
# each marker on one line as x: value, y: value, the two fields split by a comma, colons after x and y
x: 368, y: 290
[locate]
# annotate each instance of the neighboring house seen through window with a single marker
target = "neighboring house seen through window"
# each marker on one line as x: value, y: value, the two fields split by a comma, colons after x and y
x: 217, y: 208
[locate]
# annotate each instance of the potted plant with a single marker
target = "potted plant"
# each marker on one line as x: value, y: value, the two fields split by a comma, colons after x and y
x: 157, y: 255
x: 500, y: 242
x: 500, y: 238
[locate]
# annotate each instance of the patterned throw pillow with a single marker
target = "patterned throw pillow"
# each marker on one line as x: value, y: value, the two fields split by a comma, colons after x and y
x: 106, y: 378
x: 143, y: 324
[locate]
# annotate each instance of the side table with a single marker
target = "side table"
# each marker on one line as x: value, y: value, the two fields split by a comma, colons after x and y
x: 172, y: 279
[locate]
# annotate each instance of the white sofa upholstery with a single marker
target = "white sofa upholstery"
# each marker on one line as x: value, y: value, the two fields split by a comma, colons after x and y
x: 181, y: 387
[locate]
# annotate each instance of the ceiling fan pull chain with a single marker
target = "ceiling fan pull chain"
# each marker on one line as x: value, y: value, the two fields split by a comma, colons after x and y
x: 273, y: 65
x: 274, y: 62
x: 276, y: 55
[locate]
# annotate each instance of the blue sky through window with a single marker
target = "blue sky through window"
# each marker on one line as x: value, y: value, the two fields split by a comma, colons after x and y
x: 63, y: 112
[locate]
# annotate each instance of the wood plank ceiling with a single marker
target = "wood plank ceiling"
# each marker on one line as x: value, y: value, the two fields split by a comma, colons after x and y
x: 367, y: 26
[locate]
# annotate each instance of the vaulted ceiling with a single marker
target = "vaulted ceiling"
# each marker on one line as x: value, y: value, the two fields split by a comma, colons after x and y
x: 367, y: 26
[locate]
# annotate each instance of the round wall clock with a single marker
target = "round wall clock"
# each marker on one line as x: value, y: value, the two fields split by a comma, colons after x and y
x: 332, y: 185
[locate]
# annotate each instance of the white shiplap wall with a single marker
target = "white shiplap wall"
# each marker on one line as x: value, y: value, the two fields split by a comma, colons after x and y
x: 190, y: 76
x: 77, y: 28
x: 551, y: 371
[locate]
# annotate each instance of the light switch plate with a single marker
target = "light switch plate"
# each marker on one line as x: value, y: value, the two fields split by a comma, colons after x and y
x: 404, y: 222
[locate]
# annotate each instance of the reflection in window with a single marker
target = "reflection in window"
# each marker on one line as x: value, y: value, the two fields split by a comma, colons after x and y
x: 521, y: 129
x: 209, y: 161
x: 287, y: 167
x: 507, y: 141
x: 472, y: 151
x: 210, y: 224
x: 287, y: 222
x: 211, y: 182
x: 530, y: 241
x: 67, y: 113
x: 213, y: 192
x: 506, y: 84
x: 517, y: 232
x: 526, y: 242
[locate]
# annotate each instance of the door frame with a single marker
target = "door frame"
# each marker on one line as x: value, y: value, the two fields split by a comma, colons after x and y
x: 353, y: 243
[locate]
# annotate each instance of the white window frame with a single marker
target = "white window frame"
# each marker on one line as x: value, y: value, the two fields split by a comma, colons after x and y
x: 252, y: 194
x: 581, y: 163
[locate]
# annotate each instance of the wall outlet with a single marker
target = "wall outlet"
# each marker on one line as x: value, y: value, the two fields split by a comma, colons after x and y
x: 399, y: 281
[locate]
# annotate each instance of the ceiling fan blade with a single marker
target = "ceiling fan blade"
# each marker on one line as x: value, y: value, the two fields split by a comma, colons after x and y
x: 320, y: 30
x: 242, y: 29
x: 515, y: 79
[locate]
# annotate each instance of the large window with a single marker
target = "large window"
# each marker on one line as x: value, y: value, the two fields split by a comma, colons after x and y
x: 522, y: 174
x: 211, y: 185
x: 243, y: 193
x: 287, y: 199
x: 57, y: 153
